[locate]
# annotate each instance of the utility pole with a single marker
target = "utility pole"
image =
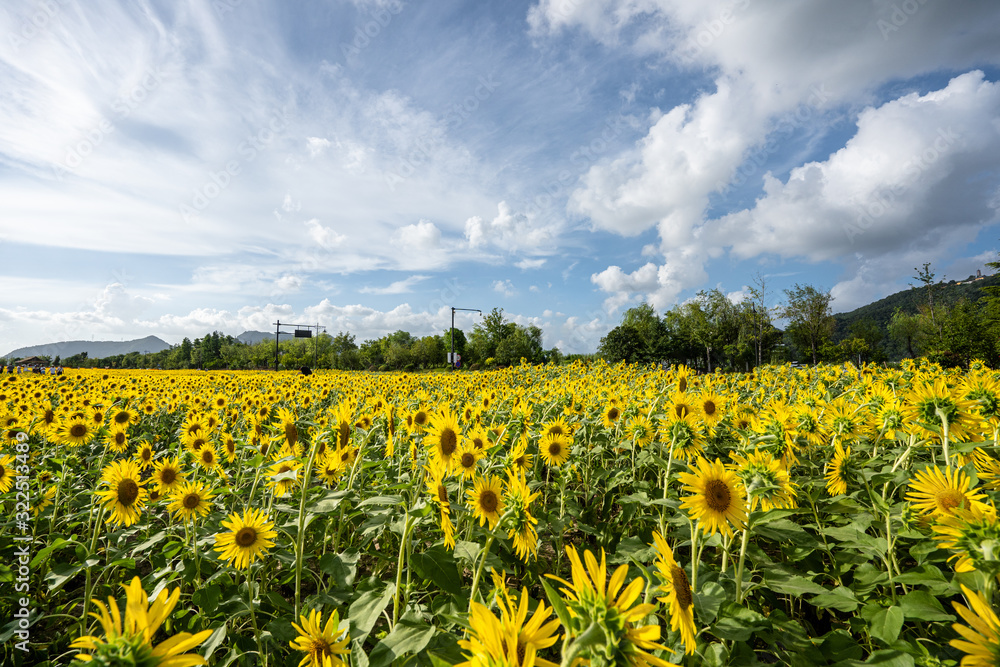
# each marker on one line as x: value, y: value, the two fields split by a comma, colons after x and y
x: 453, y: 309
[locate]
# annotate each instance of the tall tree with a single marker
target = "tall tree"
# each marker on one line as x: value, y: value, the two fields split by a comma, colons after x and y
x: 809, y: 315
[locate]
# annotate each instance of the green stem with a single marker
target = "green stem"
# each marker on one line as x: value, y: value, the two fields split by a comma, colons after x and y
x: 253, y: 620
x: 739, y: 566
x: 695, y: 556
x: 88, y: 585
x: 400, y: 566
x: 479, y: 568
x: 300, y: 536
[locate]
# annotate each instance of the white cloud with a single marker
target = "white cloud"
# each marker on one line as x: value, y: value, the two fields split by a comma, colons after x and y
x: 398, y: 287
x: 504, y: 287
x: 509, y: 232
x: 526, y: 263
x: 287, y: 283
x: 290, y: 206
x: 423, y: 235
x: 909, y: 178
x: 317, y: 145
x: 324, y: 237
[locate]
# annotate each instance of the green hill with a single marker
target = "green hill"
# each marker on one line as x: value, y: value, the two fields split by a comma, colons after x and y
x: 908, y: 301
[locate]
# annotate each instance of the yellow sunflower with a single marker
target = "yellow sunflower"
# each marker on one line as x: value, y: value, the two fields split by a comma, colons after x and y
x: 593, y: 599
x: 6, y: 472
x: 322, y: 644
x: 840, y: 471
x: 554, y: 450
x: 128, y: 638
x: 767, y: 481
x: 75, y: 431
x: 487, y: 500
x: 168, y: 475
x: 248, y: 537
x: 717, y: 500
x: 118, y: 439
x: 443, y: 437
x: 981, y: 638
x: 191, y: 501
x: 935, y: 491
x: 676, y: 588
x: 125, y: 496
x: 467, y: 458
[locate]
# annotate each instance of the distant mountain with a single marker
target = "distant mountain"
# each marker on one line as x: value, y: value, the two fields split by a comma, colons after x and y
x: 95, y: 349
x: 254, y: 337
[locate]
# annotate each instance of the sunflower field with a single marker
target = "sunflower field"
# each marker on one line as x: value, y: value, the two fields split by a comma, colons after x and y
x: 537, y: 515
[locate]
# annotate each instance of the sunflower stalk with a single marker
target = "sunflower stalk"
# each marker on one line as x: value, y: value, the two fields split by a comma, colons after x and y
x: 739, y: 566
x: 300, y: 536
x: 89, y: 583
x: 486, y: 552
x: 400, y: 566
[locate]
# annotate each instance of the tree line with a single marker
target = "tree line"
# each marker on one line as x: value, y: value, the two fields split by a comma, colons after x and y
x: 494, y: 342
x: 714, y: 331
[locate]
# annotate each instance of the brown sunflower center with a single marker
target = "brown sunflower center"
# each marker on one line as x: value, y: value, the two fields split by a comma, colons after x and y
x: 478, y: 443
x: 680, y: 410
x: 121, y: 418
x: 442, y: 493
x: 77, y: 430
x: 709, y: 408
x: 167, y: 476
x: 449, y: 441
x: 246, y: 537
x: 119, y: 438
x: 682, y: 385
x: 191, y: 501
x: 128, y: 492
x: 468, y: 459
x: 717, y: 495
x: 613, y: 414
x: 949, y: 499
x: 207, y: 456
x: 488, y: 501
x: 420, y: 418
x: 555, y: 448
x: 198, y: 444
x: 147, y: 454
x: 291, y: 434
x: 682, y: 587
x: 556, y: 429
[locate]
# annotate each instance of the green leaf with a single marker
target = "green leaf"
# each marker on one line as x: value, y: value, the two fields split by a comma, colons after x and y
x: 467, y: 551
x: 785, y: 531
x: 386, y: 501
x: 438, y: 566
x: 557, y: 604
x: 329, y: 502
x: 886, y: 624
x: 214, y: 641
x: 364, y: 611
x: 207, y: 598
x: 922, y: 606
x: 840, y: 598
x: 737, y: 623
x: 410, y: 635
x: 342, y: 568
x: 707, y: 601
x: 783, y: 581
x: 839, y: 645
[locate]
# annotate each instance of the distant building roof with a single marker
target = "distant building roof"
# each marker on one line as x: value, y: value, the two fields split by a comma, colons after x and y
x: 31, y: 361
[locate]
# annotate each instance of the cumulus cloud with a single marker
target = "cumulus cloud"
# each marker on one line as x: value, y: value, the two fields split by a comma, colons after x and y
x: 322, y: 236
x: 909, y: 178
x: 423, y: 235
x: 510, y: 231
x: 527, y: 263
x: 504, y: 287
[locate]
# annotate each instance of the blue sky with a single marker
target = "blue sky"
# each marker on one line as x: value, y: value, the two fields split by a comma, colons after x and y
x: 174, y: 168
